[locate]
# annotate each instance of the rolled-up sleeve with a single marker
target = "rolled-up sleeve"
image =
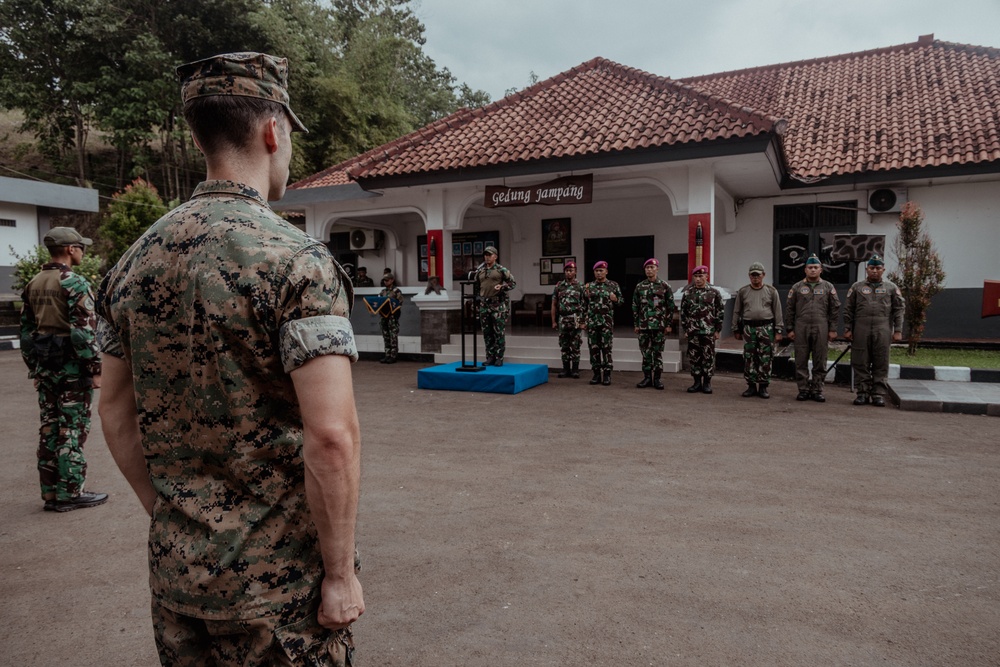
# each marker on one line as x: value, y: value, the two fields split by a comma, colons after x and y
x: 302, y: 340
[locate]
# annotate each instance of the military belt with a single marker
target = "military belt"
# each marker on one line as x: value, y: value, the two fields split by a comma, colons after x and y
x: 757, y: 323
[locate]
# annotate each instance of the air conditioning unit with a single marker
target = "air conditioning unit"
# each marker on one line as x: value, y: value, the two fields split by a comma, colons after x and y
x: 886, y: 200
x: 366, y: 239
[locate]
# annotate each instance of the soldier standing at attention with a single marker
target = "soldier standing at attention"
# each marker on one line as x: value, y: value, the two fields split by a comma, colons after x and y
x: 702, y: 311
x: 757, y: 322
x: 811, y: 317
x: 59, y: 346
x: 567, y: 317
x: 599, y: 300
x: 493, y: 282
x: 363, y: 279
x: 227, y: 400
x: 873, y: 319
x: 652, y: 312
x: 390, y: 320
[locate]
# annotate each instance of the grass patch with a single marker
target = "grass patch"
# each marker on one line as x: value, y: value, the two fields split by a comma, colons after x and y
x: 946, y: 357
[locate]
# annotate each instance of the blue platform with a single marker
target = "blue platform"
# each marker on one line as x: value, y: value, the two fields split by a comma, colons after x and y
x: 508, y: 379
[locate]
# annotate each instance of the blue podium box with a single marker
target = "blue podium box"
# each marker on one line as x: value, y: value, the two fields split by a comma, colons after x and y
x: 507, y: 379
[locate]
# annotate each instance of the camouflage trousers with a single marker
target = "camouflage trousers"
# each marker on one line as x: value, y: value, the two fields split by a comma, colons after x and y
x: 758, y: 353
x: 293, y: 637
x: 600, y: 340
x: 651, y: 343
x: 390, y: 335
x: 701, y: 354
x: 493, y: 320
x: 570, y: 339
x: 65, y: 417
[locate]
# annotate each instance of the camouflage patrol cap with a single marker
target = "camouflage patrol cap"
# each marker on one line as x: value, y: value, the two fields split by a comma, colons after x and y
x: 246, y: 74
x: 756, y: 267
x: 64, y: 236
x: 489, y: 250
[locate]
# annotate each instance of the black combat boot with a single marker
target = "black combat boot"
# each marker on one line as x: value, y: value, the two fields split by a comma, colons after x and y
x: 657, y: 384
x: 565, y: 370
x: 597, y: 377
x: 696, y: 387
x: 488, y: 362
x: 707, y: 387
x: 576, y: 370
x: 647, y: 381
x: 607, y: 378
x: 803, y: 396
x: 818, y: 396
x: 762, y: 390
x: 862, y: 399
x: 751, y: 390
x: 878, y: 401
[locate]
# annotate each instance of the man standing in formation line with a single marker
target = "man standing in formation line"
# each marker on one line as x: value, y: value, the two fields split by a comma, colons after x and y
x: 389, y: 323
x: 493, y: 281
x: 567, y: 317
x: 59, y: 346
x: 228, y: 401
x: 363, y: 279
x: 757, y: 322
x: 811, y: 317
x: 702, y: 311
x: 599, y: 300
x: 873, y: 320
x: 652, y: 312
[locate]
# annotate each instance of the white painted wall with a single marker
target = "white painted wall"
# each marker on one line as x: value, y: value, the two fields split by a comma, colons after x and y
x: 23, y: 237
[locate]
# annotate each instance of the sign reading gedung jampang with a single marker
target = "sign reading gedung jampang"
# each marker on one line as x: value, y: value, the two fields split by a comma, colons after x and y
x: 566, y: 190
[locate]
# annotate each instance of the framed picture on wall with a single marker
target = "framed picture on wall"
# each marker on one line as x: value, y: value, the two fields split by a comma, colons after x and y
x: 456, y: 249
x: 477, y: 248
x: 467, y: 248
x: 556, y: 238
x: 546, y: 265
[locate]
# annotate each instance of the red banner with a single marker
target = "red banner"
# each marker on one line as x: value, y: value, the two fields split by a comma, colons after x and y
x: 991, y: 298
x: 568, y: 190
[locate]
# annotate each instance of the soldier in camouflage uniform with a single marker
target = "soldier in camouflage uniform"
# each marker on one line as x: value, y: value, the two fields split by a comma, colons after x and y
x: 702, y: 311
x: 599, y: 300
x: 492, y: 284
x: 59, y: 346
x: 652, y: 312
x: 363, y: 279
x: 873, y: 320
x: 390, y: 320
x: 811, y: 316
x: 567, y: 317
x: 757, y: 322
x: 227, y: 398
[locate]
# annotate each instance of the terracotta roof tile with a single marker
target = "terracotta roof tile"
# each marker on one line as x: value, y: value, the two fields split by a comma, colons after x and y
x: 928, y: 103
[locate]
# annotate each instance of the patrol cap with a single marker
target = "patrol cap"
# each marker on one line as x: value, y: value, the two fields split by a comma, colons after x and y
x: 875, y: 261
x: 653, y: 261
x: 813, y: 259
x: 388, y: 275
x: 489, y: 250
x: 756, y: 267
x: 63, y: 236
x: 600, y: 265
x: 569, y: 265
x: 701, y: 268
x: 245, y: 74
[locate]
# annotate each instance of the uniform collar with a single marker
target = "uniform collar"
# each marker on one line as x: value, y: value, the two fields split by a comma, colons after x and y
x: 225, y: 187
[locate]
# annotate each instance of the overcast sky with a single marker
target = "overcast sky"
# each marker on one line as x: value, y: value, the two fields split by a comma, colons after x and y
x: 494, y: 45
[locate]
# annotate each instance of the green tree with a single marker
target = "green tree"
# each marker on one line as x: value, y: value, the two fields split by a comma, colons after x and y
x: 27, y: 267
x: 919, y: 275
x: 130, y: 213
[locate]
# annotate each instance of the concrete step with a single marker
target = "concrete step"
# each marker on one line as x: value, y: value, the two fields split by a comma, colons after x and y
x: 545, y: 350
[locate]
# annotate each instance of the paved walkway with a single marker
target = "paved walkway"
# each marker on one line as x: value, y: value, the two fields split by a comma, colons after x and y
x: 973, y: 398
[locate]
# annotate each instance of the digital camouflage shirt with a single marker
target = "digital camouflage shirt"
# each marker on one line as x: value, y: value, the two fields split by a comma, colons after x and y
x: 597, y: 303
x: 701, y: 310
x: 212, y: 308
x: 652, y: 305
x: 568, y: 297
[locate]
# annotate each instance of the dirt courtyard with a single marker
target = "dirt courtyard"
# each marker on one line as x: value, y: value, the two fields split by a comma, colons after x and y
x: 579, y: 525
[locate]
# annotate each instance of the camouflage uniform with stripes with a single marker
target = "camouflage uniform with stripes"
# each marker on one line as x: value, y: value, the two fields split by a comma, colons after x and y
x: 59, y: 347
x: 212, y: 309
x: 568, y: 297
x: 757, y: 318
x: 494, y: 308
x: 652, y: 312
x: 600, y: 320
x: 390, y: 324
x: 702, y: 311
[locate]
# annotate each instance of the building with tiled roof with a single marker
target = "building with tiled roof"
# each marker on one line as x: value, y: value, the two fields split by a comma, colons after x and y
x: 763, y: 164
